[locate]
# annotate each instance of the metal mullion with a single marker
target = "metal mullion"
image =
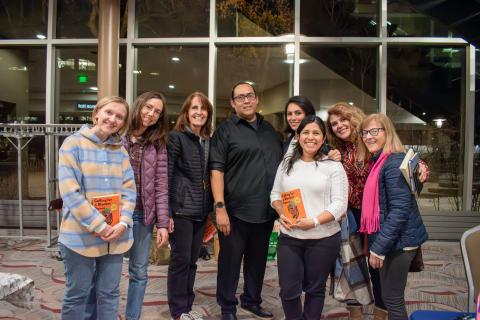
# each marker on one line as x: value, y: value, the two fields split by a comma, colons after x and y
x: 24, y: 43
x: 296, y: 65
x: 255, y: 40
x: 469, y: 128
x: 212, y: 59
x: 427, y: 41
x: 74, y: 42
x: 170, y: 41
x: 382, y: 59
x: 130, y: 90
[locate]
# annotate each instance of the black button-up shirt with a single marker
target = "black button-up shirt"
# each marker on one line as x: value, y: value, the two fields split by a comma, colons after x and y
x: 248, y: 155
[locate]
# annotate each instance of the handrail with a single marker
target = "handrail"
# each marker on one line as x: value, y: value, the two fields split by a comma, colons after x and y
x: 20, y: 130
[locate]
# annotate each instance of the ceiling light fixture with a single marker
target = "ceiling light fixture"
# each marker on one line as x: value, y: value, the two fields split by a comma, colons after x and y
x: 93, y: 88
x: 41, y: 36
x: 171, y: 86
x: 175, y: 59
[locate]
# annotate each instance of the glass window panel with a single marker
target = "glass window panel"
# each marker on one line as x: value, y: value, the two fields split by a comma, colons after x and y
x: 476, y: 155
x: 175, y: 71
x: 266, y: 68
x: 23, y: 19
x: 334, y: 74
x: 255, y: 18
x: 75, y: 84
x: 349, y: 18
x: 179, y: 18
x: 406, y: 21
x: 77, y: 19
x: 425, y: 91
x: 22, y: 100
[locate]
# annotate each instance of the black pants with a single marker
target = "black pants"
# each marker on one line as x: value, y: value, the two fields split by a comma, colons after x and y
x: 250, y: 242
x: 185, y: 243
x: 304, y: 265
x: 393, y: 278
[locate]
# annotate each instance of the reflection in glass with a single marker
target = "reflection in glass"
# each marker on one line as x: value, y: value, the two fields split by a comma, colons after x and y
x: 22, y: 100
x: 266, y: 67
x: 179, y: 18
x: 406, y: 21
x: 79, y: 19
x: 349, y: 18
x: 255, y: 18
x: 175, y: 71
x: 425, y: 101
x: 23, y: 19
x: 339, y: 74
x: 75, y: 84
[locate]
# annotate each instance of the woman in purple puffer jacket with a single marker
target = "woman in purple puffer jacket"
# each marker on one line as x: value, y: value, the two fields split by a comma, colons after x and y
x: 145, y: 142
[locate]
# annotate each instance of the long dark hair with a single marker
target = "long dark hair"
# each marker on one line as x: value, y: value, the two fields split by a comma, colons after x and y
x: 155, y: 134
x: 298, y: 151
x: 304, y: 103
x: 182, y: 120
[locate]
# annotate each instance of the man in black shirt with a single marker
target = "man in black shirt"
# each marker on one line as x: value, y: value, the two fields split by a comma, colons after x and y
x: 244, y: 155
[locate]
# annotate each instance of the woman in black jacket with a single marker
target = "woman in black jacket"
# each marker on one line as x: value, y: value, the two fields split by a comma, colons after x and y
x: 190, y: 200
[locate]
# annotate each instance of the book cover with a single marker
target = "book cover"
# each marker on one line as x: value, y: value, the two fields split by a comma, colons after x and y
x: 109, y: 206
x: 404, y: 165
x: 415, y: 184
x: 293, y: 207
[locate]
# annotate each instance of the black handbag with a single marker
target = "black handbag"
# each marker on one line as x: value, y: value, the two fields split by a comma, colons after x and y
x: 417, y: 262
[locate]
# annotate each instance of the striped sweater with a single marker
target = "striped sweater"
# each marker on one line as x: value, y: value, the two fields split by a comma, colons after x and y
x: 88, y: 168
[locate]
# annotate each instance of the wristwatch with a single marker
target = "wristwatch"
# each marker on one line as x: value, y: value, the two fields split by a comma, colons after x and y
x: 218, y: 204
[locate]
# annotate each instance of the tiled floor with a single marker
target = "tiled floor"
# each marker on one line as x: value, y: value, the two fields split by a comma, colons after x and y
x: 441, y: 286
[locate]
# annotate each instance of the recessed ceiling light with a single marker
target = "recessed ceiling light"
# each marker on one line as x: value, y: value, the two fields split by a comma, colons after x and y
x: 175, y: 59
x: 22, y: 68
x: 154, y: 73
x: 41, y: 36
x: 93, y: 88
x: 424, y: 113
x: 351, y: 103
x: 137, y: 71
x: 171, y: 86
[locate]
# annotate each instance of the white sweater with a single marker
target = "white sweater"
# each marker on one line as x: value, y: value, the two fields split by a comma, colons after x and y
x: 323, y: 185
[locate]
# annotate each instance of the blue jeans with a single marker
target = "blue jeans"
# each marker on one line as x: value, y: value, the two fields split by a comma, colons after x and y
x: 80, y: 273
x: 138, y: 265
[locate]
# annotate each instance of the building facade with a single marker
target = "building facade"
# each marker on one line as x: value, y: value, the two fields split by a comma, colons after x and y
x: 381, y: 55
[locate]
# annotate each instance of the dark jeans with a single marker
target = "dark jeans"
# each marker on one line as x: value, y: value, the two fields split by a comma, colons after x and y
x: 185, y: 243
x: 304, y: 265
x: 393, y: 278
x: 250, y: 242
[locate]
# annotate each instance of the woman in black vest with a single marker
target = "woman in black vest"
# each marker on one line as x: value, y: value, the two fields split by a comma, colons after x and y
x: 190, y: 200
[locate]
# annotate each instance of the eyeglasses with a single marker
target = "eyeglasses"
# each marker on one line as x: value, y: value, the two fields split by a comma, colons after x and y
x: 373, y: 132
x: 241, y: 98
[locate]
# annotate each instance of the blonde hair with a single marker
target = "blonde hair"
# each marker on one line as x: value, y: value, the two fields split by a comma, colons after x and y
x: 392, y: 140
x: 112, y: 99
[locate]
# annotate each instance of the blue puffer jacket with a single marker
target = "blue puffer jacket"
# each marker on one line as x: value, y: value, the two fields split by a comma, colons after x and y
x: 400, y: 222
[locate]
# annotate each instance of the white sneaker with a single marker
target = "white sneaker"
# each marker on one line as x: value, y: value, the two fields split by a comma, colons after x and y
x: 185, y: 316
x: 195, y: 315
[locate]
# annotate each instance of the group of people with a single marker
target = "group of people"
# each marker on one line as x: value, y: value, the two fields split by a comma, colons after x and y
x: 175, y: 179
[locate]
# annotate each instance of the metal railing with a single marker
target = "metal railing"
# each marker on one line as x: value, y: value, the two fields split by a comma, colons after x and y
x: 20, y: 135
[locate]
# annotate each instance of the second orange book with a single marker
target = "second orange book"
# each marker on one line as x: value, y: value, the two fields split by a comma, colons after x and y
x: 293, y: 207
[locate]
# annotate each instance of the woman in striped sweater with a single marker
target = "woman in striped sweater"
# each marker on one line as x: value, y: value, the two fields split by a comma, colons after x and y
x: 92, y: 162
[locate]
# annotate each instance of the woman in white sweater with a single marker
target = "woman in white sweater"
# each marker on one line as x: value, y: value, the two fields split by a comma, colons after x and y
x: 307, y: 248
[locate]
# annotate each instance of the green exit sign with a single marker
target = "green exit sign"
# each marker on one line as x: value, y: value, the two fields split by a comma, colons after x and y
x: 82, y: 78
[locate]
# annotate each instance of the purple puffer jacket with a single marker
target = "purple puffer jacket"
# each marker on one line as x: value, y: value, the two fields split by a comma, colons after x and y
x: 154, y: 180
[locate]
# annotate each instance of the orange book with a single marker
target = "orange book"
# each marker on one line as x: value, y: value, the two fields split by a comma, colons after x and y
x: 109, y: 206
x: 210, y: 230
x: 293, y: 205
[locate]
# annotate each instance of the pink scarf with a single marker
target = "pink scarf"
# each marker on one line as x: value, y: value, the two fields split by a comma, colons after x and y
x: 370, y: 218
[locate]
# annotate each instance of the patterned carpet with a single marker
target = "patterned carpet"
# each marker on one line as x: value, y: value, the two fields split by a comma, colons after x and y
x: 442, y: 286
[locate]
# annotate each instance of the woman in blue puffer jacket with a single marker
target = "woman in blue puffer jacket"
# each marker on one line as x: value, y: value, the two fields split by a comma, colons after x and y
x: 390, y: 214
